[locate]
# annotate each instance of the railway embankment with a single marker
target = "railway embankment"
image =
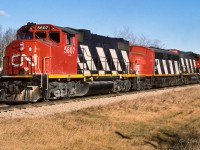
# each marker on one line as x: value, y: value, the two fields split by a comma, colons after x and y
x: 160, y: 119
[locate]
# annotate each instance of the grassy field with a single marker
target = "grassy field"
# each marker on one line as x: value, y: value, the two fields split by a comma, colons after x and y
x: 171, y: 120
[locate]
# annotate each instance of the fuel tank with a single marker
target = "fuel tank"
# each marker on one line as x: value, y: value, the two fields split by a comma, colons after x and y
x: 95, y: 87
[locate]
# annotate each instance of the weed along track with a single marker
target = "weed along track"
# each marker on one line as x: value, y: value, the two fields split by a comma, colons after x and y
x: 166, y: 118
x: 40, y: 109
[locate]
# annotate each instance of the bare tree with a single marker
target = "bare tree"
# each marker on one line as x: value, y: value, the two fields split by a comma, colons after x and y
x: 157, y: 43
x: 126, y: 34
x: 142, y: 40
x: 9, y: 36
x: 1, y: 39
x: 6, y: 38
x: 1, y: 46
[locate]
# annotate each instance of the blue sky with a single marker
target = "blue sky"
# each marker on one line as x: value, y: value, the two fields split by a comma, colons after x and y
x: 176, y: 23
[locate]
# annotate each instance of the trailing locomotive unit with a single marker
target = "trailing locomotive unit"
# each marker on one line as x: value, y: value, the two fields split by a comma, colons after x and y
x: 189, y: 66
x: 157, y: 67
x: 161, y: 68
x: 167, y: 68
x: 50, y: 62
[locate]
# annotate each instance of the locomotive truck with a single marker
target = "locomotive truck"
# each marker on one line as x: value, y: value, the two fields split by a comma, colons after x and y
x: 52, y: 62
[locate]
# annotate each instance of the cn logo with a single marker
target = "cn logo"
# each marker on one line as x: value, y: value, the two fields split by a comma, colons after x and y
x: 18, y: 60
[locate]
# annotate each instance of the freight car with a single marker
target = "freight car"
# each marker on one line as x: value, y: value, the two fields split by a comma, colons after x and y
x: 52, y: 62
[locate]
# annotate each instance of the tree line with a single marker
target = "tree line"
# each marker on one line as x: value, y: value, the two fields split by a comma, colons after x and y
x: 142, y: 40
x: 6, y: 37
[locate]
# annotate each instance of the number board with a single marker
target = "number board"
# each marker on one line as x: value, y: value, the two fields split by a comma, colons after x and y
x: 42, y: 27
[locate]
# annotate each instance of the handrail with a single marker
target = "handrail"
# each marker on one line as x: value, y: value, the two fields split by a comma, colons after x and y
x: 43, y: 62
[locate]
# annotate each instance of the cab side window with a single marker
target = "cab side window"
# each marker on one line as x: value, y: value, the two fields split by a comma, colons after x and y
x: 40, y: 35
x: 54, y: 36
x: 69, y: 39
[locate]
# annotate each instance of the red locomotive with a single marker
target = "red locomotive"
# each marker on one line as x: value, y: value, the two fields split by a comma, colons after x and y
x: 52, y: 62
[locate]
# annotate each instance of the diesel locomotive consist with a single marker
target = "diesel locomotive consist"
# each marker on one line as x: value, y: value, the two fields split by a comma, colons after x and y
x: 51, y: 62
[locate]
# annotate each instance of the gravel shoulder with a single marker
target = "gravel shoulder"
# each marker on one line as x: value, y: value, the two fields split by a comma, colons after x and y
x: 74, y: 106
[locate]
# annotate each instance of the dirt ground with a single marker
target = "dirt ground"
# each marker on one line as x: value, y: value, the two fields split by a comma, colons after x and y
x: 167, y: 121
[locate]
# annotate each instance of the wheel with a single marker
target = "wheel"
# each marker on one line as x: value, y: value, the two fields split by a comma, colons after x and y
x: 140, y: 86
x: 127, y: 85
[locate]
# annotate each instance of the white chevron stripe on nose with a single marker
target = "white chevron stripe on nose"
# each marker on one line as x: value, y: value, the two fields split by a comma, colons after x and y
x: 183, y: 65
x: 176, y: 67
x: 191, y: 64
x: 194, y: 62
x: 83, y: 67
x: 126, y: 59
x: 187, y: 65
x: 115, y: 60
x: 165, y: 66
x: 88, y: 57
x: 158, y: 66
x: 103, y: 59
x: 171, y: 67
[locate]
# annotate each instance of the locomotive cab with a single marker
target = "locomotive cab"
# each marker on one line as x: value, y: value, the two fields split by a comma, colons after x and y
x: 42, y: 49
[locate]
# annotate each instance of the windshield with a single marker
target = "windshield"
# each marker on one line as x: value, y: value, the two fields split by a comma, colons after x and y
x: 54, y: 36
x: 27, y: 36
x: 40, y: 35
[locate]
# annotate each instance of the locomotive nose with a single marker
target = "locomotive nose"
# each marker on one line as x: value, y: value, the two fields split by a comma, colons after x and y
x: 21, y: 57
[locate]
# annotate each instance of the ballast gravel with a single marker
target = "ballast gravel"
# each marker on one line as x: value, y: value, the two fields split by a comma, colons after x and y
x: 33, y: 112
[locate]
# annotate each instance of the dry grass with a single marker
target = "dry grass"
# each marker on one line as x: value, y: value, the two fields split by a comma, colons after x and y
x: 165, y: 121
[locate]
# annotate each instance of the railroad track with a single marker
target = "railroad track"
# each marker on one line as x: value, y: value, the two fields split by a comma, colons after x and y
x: 8, y: 108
